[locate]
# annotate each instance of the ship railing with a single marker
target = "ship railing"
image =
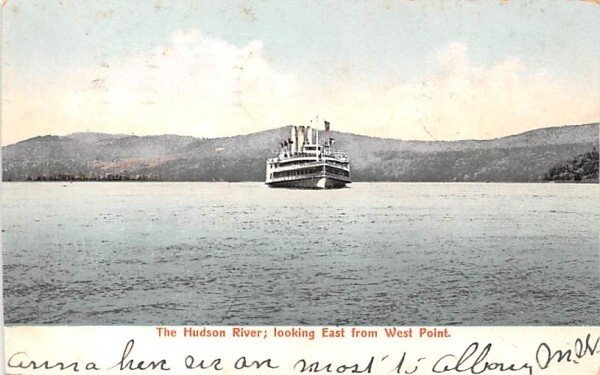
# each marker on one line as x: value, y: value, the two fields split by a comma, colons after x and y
x: 288, y: 156
x: 310, y: 175
x: 302, y: 154
x: 279, y: 156
x: 311, y: 163
x: 336, y: 154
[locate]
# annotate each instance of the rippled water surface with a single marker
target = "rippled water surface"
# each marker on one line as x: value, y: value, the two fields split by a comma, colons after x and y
x: 219, y: 253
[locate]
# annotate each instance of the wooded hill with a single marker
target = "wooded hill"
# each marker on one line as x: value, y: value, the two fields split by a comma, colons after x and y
x: 525, y: 157
x: 584, y: 168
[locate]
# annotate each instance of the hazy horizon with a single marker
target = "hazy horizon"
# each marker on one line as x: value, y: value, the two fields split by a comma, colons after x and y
x: 404, y: 70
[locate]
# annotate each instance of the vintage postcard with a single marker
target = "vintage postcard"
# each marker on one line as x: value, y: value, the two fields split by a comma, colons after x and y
x: 288, y: 187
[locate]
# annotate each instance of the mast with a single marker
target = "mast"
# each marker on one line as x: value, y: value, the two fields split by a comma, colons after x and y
x: 317, y: 140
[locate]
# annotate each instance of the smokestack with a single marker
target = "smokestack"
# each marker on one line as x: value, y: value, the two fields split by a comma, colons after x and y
x: 294, y: 131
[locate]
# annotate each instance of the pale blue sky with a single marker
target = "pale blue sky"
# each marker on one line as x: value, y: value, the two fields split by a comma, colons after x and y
x: 317, y: 42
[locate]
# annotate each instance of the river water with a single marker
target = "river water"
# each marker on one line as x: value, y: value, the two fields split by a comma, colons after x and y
x: 372, y: 254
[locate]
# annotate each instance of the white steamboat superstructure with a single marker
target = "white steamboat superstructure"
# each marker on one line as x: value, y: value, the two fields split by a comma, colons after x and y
x: 304, y: 163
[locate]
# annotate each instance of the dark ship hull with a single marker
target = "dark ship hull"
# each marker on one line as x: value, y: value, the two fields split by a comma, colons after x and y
x: 323, y: 182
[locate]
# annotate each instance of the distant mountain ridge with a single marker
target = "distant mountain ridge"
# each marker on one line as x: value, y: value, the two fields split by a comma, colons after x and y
x: 524, y: 157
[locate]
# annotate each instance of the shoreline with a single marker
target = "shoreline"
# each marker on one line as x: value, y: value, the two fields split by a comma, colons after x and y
x: 586, y: 182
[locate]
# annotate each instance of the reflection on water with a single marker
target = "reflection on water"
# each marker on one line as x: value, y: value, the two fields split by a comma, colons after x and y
x: 219, y: 253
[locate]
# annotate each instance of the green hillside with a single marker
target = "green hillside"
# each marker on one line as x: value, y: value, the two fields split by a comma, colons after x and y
x: 584, y: 167
x: 525, y: 157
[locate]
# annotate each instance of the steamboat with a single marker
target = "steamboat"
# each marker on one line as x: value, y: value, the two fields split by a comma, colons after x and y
x: 304, y: 163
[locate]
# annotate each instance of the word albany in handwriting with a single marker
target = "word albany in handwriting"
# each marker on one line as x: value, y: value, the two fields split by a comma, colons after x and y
x: 474, y: 361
